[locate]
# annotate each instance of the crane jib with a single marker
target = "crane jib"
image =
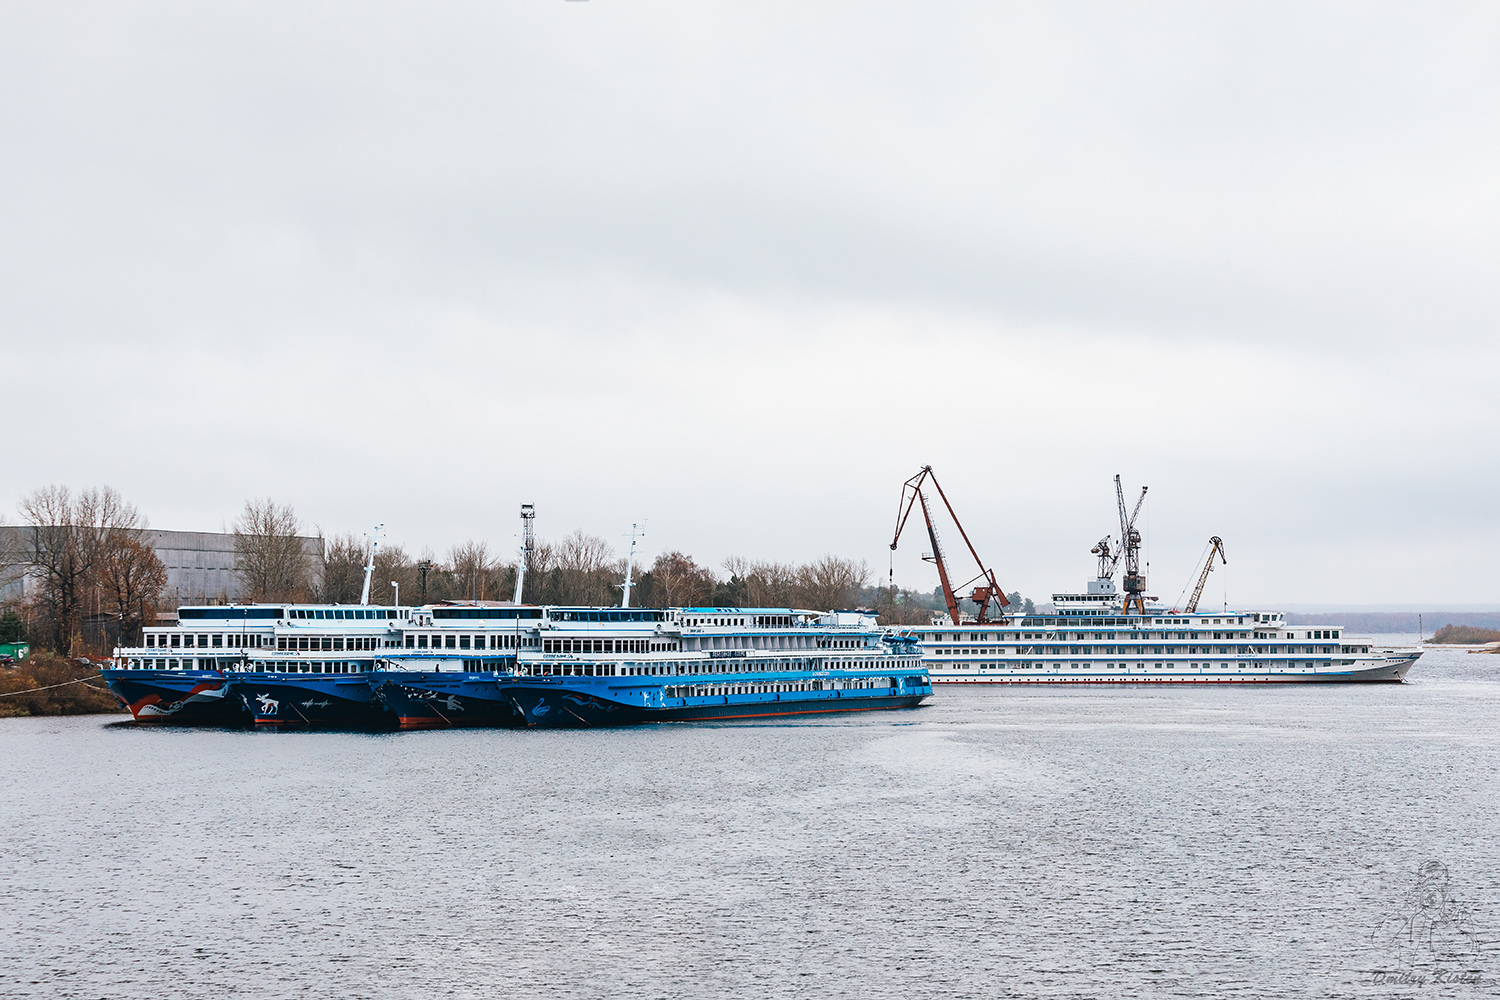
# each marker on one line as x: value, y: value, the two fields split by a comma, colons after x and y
x: 987, y: 587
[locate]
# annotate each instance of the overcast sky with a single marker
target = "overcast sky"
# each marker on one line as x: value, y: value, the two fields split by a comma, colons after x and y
x: 741, y: 269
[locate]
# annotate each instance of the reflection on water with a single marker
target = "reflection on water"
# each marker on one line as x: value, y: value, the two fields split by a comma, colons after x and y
x: 1093, y: 841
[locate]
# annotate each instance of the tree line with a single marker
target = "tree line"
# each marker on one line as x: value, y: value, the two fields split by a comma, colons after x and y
x: 96, y: 582
x: 579, y: 569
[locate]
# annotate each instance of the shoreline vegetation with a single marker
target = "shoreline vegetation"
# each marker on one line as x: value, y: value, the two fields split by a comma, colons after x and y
x: 67, y: 687
x: 1466, y: 635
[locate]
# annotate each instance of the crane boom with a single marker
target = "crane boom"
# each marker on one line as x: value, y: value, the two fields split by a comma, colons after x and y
x: 988, y: 588
x: 1216, y: 548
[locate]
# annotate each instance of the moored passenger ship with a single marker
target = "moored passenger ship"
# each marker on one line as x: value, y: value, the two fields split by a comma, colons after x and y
x: 621, y: 666
x: 1103, y: 636
x: 272, y: 665
x: 479, y: 664
x: 1090, y: 639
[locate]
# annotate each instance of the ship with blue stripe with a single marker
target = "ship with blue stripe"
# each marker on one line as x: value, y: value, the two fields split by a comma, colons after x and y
x: 476, y: 664
x: 479, y: 663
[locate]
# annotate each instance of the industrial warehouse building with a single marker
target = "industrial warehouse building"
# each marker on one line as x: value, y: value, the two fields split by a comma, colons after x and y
x: 200, y: 565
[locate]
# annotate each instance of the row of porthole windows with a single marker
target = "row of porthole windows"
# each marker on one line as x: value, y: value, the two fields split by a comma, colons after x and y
x: 722, y: 690
x: 216, y: 640
x: 307, y: 667
x: 607, y: 646
x: 326, y: 643
x: 498, y: 640
x: 1079, y: 665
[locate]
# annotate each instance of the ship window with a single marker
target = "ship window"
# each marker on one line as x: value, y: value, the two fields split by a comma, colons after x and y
x: 449, y: 643
x: 463, y: 642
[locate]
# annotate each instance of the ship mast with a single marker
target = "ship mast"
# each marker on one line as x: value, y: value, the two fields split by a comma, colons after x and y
x: 635, y: 533
x: 374, y: 537
x: 528, y: 546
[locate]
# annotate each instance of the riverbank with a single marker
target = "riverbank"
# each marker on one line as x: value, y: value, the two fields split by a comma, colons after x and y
x: 45, y: 684
x: 1465, y: 635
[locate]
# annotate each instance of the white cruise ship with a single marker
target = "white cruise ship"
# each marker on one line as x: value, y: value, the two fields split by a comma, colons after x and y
x: 1103, y: 636
x: 1091, y: 640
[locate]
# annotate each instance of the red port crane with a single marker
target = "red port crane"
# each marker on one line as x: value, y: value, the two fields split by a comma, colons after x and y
x: 987, y: 590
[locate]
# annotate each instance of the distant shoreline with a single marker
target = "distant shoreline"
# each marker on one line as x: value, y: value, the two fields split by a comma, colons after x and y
x: 1386, y: 622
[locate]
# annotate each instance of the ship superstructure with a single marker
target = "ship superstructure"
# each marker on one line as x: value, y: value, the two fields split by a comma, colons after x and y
x: 1101, y: 636
x: 272, y: 664
x: 694, y: 664
x: 1091, y: 641
x: 488, y: 664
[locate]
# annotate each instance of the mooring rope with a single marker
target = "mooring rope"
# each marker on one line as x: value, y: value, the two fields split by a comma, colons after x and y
x: 49, y: 687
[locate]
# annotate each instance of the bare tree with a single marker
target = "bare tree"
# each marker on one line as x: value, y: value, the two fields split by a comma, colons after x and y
x: 469, y: 565
x: 539, y: 578
x: 70, y: 538
x: 392, y: 564
x: 269, y: 557
x: 133, y: 579
x: 343, y: 569
x: 767, y: 584
x: 683, y: 582
x: 583, y: 571
x: 831, y: 583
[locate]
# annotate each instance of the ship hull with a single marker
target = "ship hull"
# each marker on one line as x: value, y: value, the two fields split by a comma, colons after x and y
x: 438, y: 700
x: 540, y: 706
x: 1391, y: 670
x: 178, y: 697
x: 330, y: 701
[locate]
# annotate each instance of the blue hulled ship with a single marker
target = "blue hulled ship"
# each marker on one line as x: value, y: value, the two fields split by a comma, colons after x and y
x: 493, y: 664
x: 598, y: 666
x: 271, y: 665
x: 479, y: 663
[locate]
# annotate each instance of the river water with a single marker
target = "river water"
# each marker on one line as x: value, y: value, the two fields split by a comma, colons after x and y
x: 1193, y: 842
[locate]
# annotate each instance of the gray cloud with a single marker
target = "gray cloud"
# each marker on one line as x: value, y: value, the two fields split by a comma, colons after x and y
x: 1243, y: 252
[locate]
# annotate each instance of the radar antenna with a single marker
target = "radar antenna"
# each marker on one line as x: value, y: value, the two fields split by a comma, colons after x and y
x: 987, y: 589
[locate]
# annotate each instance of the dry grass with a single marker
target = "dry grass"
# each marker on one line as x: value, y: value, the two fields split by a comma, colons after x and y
x: 43, y: 670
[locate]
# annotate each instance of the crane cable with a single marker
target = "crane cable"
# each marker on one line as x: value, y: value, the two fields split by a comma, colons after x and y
x: 1178, y: 603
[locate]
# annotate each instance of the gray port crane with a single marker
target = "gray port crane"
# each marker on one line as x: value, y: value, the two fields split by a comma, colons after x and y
x: 1133, y: 583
